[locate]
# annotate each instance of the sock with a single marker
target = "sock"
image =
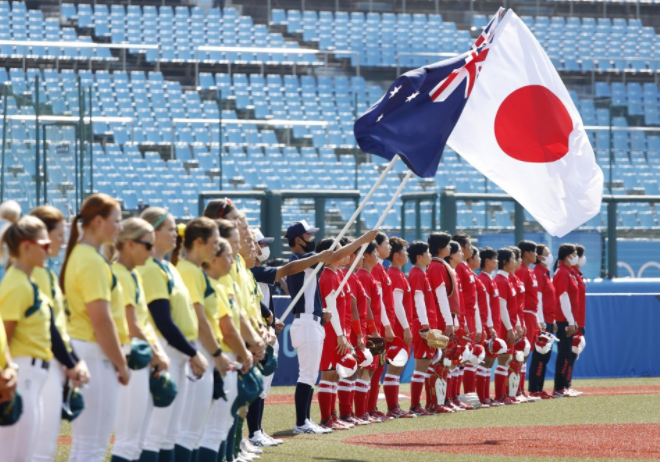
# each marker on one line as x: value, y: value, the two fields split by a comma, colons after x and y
x: 118, y: 459
x: 523, y: 373
x: 166, y: 455
x: 461, y: 373
x: 416, y: 387
x: 344, y: 397
x: 479, y: 382
x: 391, y: 389
x: 450, y: 385
x: 262, y: 405
x: 361, y: 397
x: 302, y: 400
x: 375, y: 389
x: 253, y: 416
x: 469, y: 378
x: 195, y: 455
x: 229, y: 443
x: 238, y: 437
x: 325, y: 399
x: 310, y: 397
x: 148, y: 456
x: 427, y: 386
x: 487, y: 383
x: 222, y: 452
x: 501, y: 374
x: 352, y: 394
x: 207, y: 455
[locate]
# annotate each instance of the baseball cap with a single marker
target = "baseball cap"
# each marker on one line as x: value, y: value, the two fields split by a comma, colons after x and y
x: 140, y: 355
x: 269, y: 362
x: 260, y: 237
x: 299, y: 228
x: 73, y: 403
x: 10, y: 411
x: 163, y: 389
x: 250, y: 386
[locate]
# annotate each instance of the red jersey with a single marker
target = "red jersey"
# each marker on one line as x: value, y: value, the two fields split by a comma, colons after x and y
x: 508, y: 293
x: 467, y: 279
x: 494, y: 294
x: 400, y: 282
x: 371, y: 290
x: 566, y: 282
x: 483, y: 302
x: 419, y: 283
x: 437, y: 274
x: 328, y: 282
x: 348, y: 311
x: 386, y: 290
x: 528, y: 279
x: 582, y: 297
x: 520, y: 297
x: 357, y: 291
x: 547, y: 293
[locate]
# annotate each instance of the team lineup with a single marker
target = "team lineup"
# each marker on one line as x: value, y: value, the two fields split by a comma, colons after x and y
x: 165, y: 335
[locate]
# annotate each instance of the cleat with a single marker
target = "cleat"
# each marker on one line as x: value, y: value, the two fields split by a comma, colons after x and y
x: 573, y: 392
x: 464, y: 406
x: 444, y: 410
x: 398, y: 413
x: 247, y: 446
x: 506, y: 400
x: 380, y: 415
x: 558, y: 394
x: 420, y: 411
x: 309, y: 429
x: 260, y: 439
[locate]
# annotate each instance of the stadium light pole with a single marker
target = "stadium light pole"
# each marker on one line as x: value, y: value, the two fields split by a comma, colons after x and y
x: 219, y: 103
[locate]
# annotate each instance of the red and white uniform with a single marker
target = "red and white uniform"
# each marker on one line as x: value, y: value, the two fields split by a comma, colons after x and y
x: 358, y: 293
x: 424, y: 313
x: 469, y: 289
x: 485, y: 319
x: 566, y: 289
x: 531, y: 315
x: 386, y: 294
x: 373, y: 294
x: 348, y: 312
x: 520, y: 299
x: 442, y: 284
x: 403, y: 302
x: 582, y: 297
x: 508, y: 304
x: 493, y: 300
x: 547, y: 295
x: 328, y: 283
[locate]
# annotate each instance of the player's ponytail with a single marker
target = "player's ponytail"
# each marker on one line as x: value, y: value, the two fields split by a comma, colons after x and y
x: 95, y: 205
x: 564, y: 251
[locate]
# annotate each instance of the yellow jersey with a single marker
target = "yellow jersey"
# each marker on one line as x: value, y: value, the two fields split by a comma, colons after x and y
x: 88, y: 278
x: 245, y: 291
x: 133, y: 291
x: 224, y: 289
x: 162, y: 281
x: 49, y: 286
x: 22, y: 301
x: 3, y: 345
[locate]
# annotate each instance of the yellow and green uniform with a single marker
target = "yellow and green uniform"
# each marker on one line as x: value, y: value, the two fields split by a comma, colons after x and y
x: 22, y: 301
x: 245, y: 291
x: 225, y: 292
x: 88, y: 278
x: 133, y: 291
x: 162, y: 281
x: 3, y: 345
x: 49, y: 286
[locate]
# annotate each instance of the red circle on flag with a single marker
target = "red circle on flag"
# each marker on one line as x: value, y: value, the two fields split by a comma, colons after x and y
x: 533, y: 125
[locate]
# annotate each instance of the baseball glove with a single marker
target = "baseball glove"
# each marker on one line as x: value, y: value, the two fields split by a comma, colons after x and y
x: 434, y: 338
x: 376, y: 345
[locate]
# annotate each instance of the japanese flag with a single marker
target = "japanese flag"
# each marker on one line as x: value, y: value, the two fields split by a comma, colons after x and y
x: 521, y: 129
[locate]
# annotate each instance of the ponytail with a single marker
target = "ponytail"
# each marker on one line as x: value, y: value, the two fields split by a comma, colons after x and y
x: 95, y: 205
x: 564, y: 251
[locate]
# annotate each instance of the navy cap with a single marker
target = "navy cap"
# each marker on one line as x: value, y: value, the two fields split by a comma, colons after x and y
x: 298, y: 229
x: 140, y: 356
x: 10, y: 411
x: 261, y: 239
x: 163, y: 389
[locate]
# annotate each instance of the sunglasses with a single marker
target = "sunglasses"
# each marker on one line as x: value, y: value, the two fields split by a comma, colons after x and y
x: 147, y: 245
x: 43, y: 243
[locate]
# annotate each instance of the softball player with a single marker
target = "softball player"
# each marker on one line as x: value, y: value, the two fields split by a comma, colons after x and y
x: 97, y: 322
x: 134, y: 245
x: 307, y: 332
x: 488, y: 264
x: 28, y: 324
x: 174, y: 316
x: 201, y: 244
x: 580, y: 317
x: 54, y: 387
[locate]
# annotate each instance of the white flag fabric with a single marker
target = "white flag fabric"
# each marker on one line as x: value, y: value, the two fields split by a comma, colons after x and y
x: 521, y: 129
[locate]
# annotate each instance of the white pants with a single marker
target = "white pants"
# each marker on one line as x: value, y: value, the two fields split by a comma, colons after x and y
x: 307, y: 338
x: 268, y: 380
x: 46, y: 444
x: 135, y: 406
x: 220, y: 419
x: 17, y: 442
x: 199, y: 399
x: 93, y: 427
x: 165, y: 421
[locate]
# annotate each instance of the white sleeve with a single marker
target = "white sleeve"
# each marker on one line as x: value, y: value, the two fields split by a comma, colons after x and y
x: 443, y: 301
x: 331, y: 303
x: 504, y: 313
x: 539, y: 310
x: 489, y: 321
x: 420, y: 307
x: 477, y: 318
x: 383, y: 312
x: 399, y: 310
x: 565, y: 303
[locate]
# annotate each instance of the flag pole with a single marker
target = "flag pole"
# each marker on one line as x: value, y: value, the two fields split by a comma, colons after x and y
x: 349, y: 223
x: 380, y: 222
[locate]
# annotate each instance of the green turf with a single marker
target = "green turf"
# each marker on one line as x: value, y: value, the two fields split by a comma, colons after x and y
x: 585, y: 410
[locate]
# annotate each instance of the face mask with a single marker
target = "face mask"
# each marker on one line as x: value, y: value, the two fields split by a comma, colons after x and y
x: 309, y: 246
x: 548, y: 260
x: 582, y: 260
x: 573, y: 260
x: 265, y: 254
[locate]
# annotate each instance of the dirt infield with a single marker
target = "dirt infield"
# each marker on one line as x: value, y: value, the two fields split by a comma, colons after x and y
x: 588, y: 391
x: 611, y: 441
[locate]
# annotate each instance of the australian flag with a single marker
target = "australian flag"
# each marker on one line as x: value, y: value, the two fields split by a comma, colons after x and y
x: 416, y: 116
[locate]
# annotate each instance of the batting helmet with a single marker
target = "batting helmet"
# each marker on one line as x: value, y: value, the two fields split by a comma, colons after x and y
x: 346, y: 365
x: 396, y: 353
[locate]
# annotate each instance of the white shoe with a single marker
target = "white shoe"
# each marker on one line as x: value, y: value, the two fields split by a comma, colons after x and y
x: 309, y: 429
x: 261, y: 440
x: 277, y: 441
x: 317, y: 426
x: 248, y: 447
x: 250, y: 456
x: 533, y: 399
